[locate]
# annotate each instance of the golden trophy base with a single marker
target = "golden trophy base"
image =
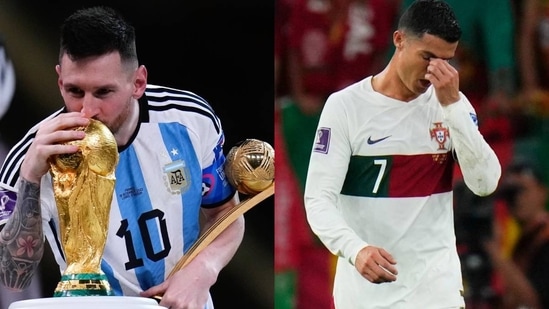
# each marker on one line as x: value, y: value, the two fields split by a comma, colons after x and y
x: 83, y: 285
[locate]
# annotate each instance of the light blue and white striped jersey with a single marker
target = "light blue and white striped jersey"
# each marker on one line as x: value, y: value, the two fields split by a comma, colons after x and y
x: 172, y: 166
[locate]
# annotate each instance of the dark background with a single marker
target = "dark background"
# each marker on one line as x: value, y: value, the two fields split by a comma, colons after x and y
x: 220, y: 50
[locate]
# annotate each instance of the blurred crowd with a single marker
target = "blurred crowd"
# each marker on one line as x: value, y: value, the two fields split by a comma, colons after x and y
x: 322, y: 46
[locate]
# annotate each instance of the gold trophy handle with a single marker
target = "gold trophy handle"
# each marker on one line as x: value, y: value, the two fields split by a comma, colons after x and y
x: 219, y: 226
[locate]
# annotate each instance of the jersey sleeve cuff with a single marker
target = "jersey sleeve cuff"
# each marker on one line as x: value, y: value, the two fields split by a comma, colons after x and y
x: 355, y: 249
x: 458, y: 114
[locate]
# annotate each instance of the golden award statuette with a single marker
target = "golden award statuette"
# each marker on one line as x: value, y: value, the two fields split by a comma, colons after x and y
x: 250, y: 168
x: 83, y: 185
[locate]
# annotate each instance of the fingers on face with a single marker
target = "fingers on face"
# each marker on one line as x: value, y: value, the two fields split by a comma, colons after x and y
x: 439, y: 69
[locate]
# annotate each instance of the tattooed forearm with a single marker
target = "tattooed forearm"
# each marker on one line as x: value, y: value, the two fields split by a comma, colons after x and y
x: 22, y: 239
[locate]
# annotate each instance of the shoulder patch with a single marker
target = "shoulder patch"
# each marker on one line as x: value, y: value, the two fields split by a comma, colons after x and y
x: 322, y: 140
x: 7, y: 204
x: 474, y: 118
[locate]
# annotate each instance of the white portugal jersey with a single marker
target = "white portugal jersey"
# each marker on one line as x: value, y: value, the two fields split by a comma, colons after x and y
x: 380, y: 173
x: 172, y: 166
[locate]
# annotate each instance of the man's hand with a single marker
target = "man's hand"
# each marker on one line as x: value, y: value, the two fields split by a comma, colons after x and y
x: 186, y: 289
x: 189, y: 287
x: 49, y: 141
x: 445, y: 79
x: 376, y: 265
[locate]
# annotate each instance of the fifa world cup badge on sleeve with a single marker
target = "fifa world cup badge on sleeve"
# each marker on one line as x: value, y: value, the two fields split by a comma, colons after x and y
x: 322, y: 140
x: 7, y: 204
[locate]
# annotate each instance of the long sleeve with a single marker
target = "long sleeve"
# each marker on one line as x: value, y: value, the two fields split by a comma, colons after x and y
x: 477, y: 160
x: 327, y: 169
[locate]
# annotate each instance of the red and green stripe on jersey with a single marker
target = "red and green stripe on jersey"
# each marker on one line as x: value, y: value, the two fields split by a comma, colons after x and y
x: 399, y: 175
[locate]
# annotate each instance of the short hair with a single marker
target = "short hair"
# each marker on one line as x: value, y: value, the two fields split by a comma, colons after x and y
x: 433, y: 17
x: 97, y: 31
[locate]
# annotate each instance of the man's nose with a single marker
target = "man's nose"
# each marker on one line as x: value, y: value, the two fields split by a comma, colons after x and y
x: 90, y: 106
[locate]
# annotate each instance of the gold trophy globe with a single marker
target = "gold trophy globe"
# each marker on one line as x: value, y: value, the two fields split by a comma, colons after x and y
x: 83, y: 185
x: 250, y: 166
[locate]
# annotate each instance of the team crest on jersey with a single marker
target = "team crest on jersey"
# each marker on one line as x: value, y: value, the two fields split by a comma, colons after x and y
x: 440, y: 134
x: 176, y: 177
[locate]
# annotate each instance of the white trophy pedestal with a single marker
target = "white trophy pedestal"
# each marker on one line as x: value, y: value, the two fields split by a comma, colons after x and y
x: 87, y: 302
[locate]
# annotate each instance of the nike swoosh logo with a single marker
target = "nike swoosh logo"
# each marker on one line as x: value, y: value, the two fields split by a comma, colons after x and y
x: 374, y: 141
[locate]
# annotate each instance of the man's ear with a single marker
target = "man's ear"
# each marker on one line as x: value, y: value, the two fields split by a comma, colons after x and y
x: 398, y: 39
x: 59, y: 80
x: 140, y: 82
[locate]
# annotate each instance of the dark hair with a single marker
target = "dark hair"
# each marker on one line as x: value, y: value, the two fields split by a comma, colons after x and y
x: 97, y: 31
x: 434, y: 17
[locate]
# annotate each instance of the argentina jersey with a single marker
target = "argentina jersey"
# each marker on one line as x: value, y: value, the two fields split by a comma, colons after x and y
x: 171, y: 167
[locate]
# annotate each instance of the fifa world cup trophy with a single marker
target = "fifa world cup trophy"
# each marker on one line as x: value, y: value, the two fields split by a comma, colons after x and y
x: 83, y: 185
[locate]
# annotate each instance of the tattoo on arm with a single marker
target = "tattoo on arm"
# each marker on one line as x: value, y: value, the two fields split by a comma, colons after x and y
x: 22, y: 239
